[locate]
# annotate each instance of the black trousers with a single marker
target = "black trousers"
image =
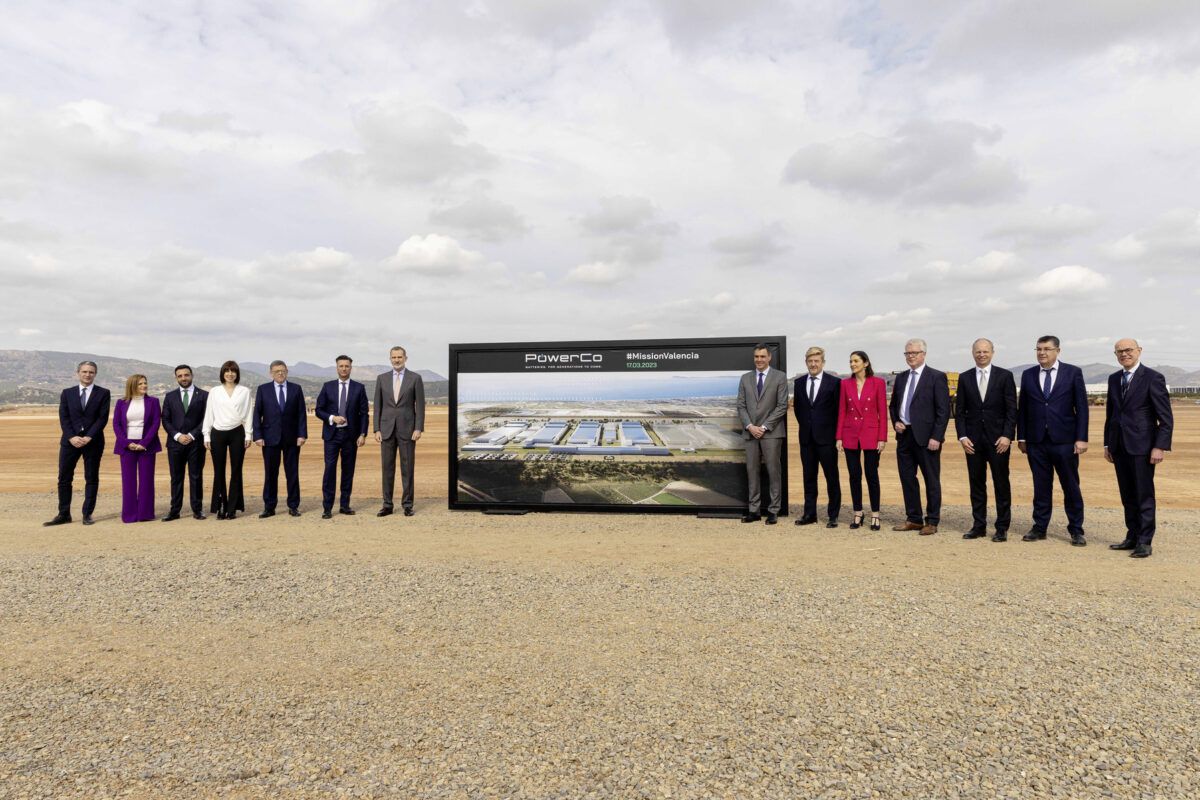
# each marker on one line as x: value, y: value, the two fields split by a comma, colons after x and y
x: 854, y: 466
x: 823, y: 456
x: 68, y: 459
x: 1045, y: 460
x: 912, y: 456
x: 289, y: 454
x: 189, y: 459
x: 231, y: 443
x: 977, y: 469
x: 344, y: 447
x: 1135, y: 481
x: 407, y: 449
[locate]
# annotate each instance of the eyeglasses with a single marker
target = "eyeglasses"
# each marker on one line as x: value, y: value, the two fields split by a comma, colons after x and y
x: 1128, y: 351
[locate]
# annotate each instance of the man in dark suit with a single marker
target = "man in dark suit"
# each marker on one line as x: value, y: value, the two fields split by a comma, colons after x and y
x: 183, y: 419
x: 1137, y: 435
x: 920, y: 411
x: 280, y: 429
x: 82, y: 415
x: 985, y: 418
x: 762, y: 409
x: 342, y: 406
x: 1052, y: 431
x: 399, y: 420
x: 815, y: 404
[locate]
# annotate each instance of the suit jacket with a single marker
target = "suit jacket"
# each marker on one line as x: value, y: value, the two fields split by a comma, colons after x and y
x: 399, y: 418
x: 174, y: 420
x: 150, y: 426
x: 862, y: 423
x: 929, y: 409
x: 357, y: 409
x: 818, y: 420
x: 1060, y: 419
x: 276, y: 428
x: 1143, y: 418
x: 77, y: 421
x: 986, y: 419
x: 770, y: 410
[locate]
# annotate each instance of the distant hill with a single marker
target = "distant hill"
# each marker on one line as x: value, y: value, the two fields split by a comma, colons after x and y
x: 39, y: 376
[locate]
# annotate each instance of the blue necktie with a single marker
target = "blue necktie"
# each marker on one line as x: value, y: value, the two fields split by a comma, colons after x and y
x: 279, y: 386
x: 342, y: 401
x: 760, y: 379
x: 1046, y: 383
x: 908, y: 393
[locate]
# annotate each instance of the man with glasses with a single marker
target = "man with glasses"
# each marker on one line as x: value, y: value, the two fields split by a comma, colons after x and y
x: 1052, y: 431
x: 1137, y: 435
x: 280, y: 429
x: 82, y: 415
x: 920, y: 411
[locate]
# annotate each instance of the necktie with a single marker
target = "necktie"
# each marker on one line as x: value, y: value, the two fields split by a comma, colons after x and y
x: 908, y: 393
x: 83, y: 393
x: 760, y: 381
x: 812, y: 389
x: 1046, y: 383
x: 185, y: 401
x: 1124, y: 384
x: 342, y: 401
x: 279, y: 386
x: 396, y: 380
x: 983, y: 378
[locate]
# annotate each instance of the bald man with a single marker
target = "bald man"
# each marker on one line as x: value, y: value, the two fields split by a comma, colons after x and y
x: 1137, y: 435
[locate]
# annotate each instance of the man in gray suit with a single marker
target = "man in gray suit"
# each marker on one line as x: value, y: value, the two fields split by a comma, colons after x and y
x: 762, y: 408
x: 399, y: 418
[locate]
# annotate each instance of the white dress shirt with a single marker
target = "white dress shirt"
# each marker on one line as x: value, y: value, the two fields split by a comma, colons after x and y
x: 135, y: 418
x: 224, y: 412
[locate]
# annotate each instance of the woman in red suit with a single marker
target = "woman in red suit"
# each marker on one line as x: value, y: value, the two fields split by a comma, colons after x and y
x: 135, y: 422
x: 862, y: 429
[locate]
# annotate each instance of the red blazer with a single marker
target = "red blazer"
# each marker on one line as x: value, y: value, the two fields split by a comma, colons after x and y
x: 150, y: 427
x: 862, y: 421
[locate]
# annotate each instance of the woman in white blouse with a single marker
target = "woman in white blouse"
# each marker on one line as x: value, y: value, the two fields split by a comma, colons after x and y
x: 227, y: 427
x: 136, y: 422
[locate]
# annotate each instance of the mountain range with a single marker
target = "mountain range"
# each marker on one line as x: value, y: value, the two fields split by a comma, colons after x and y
x: 39, y: 376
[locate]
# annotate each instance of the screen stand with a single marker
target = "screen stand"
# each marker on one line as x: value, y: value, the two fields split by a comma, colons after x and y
x: 507, y: 512
x: 719, y: 515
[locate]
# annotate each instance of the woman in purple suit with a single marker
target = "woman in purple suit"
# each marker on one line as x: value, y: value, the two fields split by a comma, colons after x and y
x: 135, y: 422
x: 862, y: 432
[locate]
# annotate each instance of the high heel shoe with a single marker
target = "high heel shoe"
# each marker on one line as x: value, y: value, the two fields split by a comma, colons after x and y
x: 874, y: 522
x: 857, y: 522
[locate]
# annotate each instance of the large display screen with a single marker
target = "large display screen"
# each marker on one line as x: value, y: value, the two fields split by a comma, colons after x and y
x: 642, y: 426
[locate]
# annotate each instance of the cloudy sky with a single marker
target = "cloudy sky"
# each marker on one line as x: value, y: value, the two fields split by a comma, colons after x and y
x: 205, y: 180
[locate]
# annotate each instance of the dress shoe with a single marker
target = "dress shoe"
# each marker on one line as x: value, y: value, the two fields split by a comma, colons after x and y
x: 293, y: 512
x: 170, y: 517
x: 1077, y: 540
x: 265, y: 514
x: 751, y: 517
x: 974, y: 534
x: 327, y: 514
x: 1141, y: 551
x: 384, y: 512
x: 908, y: 526
x: 1033, y: 535
x: 87, y: 520
x: 199, y: 515
x: 772, y: 519
x: 874, y: 522
x: 61, y: 519
x: 806, y: 521
x: 1000, y: 536
x: 1127, y: 544
x: 929, y: 530
x: 832, y: 523
x: 346, y: 510
x: 408, y: 512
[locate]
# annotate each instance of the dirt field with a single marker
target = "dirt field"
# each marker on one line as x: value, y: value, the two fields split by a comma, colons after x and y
x: 29, y: 463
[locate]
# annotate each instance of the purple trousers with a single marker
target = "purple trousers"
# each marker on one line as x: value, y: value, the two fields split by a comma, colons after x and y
x: 137, y: 486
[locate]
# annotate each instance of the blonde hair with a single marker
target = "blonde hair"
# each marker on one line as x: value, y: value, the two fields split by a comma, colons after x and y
x: 814, y: 351
x: 131, y: 385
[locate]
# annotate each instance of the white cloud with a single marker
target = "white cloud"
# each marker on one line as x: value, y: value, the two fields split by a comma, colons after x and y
x: 1170, y: 243
x: 994, y: 266
x: 1047, y: 225
x: 483, y: 217
x: 598, y: 273
x: 434, y: 254
x: 922, y: 163
x: 750, y: 249
x: 1066, y: 282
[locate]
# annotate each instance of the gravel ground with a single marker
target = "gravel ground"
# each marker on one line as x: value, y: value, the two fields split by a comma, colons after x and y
x: 577, y: 656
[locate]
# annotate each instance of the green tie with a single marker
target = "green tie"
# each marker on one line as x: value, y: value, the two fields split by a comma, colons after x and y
x: 185, y: 401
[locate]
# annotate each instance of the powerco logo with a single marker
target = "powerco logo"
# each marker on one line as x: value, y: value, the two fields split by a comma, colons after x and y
x: 564, y: 358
